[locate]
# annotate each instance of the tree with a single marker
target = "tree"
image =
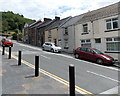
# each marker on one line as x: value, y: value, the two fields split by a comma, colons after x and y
x: 12, y: 21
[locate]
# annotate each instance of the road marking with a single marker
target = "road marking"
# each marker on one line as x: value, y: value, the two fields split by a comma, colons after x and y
x: 103, y: 76
x: 111, y: 68
x: 78, y: 89
x: 45, y: 57
x: 116, y: 69
x: 112, y: 91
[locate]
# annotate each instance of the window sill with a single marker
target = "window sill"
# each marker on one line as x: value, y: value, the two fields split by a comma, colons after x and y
x: 84, y: 33
x: 49, y: 37
x: 66, y: 47
x: 65, y: 34
x: 112, y: 51
x: 112, y: 30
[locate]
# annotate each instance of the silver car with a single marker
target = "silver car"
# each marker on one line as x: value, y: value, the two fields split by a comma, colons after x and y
x: 49, y: 46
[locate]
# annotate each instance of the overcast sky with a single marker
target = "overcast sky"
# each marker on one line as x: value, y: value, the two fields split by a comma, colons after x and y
x: 38, y: 9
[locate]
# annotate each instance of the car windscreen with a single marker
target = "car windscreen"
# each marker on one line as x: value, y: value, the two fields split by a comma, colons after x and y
x: 7, y: 40
x: 98, y: 52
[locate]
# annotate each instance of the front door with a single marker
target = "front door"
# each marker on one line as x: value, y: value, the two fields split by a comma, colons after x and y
x: 98, y: 43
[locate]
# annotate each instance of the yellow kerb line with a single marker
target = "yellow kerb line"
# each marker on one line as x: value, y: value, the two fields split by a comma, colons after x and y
x: 54, y: 76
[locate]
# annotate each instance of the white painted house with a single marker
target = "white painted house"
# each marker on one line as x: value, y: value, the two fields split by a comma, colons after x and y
x: 100, y: 29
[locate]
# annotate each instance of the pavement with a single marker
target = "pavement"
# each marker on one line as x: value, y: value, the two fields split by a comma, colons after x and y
x: 21, y: 80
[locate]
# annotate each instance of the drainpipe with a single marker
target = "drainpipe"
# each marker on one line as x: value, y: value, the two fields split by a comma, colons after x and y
x: 74, y: 37
x: 92, y: 31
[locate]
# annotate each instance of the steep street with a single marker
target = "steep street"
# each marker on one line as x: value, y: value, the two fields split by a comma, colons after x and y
x: 90, y: 77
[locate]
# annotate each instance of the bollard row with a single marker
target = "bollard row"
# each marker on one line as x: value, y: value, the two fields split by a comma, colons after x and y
x: 19, y: 59
x: 71, y: 70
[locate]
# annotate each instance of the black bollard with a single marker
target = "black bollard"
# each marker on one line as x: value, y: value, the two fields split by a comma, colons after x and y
x: 3, y: 51
x: 19, y: 58
x: 9, y: 56
x: 36, y: 66
x: 72, y: 80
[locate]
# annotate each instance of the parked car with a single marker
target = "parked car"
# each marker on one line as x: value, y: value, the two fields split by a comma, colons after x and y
x: 6, y: 42
x: 93, y: 55
x: 49, y: 46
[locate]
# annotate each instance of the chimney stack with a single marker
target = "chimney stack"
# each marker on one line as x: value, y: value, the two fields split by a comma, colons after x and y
x: 57, y: 18
x: 47, y: 19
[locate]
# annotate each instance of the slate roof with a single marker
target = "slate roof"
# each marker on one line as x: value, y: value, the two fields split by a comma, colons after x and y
x: 39, y: 23
x: 58, y: 23
x: 43, y: 24
x: 35, y: 24
x: 104, y: 12
x: 72, y: 21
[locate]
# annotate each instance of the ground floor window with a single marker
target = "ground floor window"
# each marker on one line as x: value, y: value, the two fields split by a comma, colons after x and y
x: 86, y: 43
x: 113, y: 44
x: 66, y: 44
x: 59, y: 43
x: 49, y: 40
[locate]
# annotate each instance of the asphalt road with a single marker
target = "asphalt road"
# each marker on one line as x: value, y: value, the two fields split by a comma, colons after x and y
x: 92, y: 77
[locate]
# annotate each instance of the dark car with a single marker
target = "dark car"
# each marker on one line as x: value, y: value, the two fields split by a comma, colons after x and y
x: 7, y: 42
x: 93, y: 55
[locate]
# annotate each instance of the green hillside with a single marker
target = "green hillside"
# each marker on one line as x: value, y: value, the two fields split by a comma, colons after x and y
x: 11, y: 22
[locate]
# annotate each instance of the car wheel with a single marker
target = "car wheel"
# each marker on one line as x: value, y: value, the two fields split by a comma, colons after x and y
x: 99, y: 61
x: 77, y: 56
x: 52, y: 50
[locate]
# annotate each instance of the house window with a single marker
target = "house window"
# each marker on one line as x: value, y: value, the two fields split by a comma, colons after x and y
x: 113, y: 44
x: 66, y: 44
x: 112, y: 23
x: 59, y: 43
x: 86, y: 43
x: 49, y: 33
x: 85, y: 29
x: 66, y: 31
x: 49, y: 40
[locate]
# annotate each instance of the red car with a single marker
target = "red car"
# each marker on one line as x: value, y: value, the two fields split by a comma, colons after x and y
x: 93, y: 55
x: 7, y: 42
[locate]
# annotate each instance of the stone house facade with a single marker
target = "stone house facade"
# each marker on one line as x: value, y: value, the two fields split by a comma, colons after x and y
x: 100, y: 29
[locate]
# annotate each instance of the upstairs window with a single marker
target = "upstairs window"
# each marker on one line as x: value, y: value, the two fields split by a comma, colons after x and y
x: 112, y: 24
x: 49, y: 33
x: 66, y: 31
x: 85, y: 29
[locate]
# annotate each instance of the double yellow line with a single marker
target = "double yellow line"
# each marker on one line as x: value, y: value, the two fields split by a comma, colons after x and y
x: 52, y: 75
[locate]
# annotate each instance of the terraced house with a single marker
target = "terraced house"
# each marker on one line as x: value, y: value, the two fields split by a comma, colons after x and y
x: 40, y: 36
x: 100, y: 29
x: 33, y: 32
x: 66, y: 34
x: 51, y: 33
